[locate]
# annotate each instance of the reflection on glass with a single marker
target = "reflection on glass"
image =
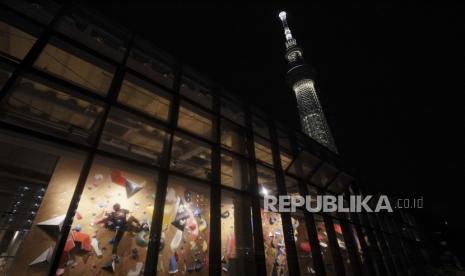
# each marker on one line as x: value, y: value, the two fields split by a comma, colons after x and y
x: 233, y: 137
x: 237, y: 252
x: 196, y: 92
x: 191, y: 157
x: 266, y: 180
x: 112, y: 222
x: 35, y: 105
x: 260, y: 127
x: 14, y: 43
x: 5, y: 73
x: 195, y: 120
x: 186, y: 229
x: 76, y: 69
x: 302, y: 243
x: 342, y: 247
x: 88, y: 31
x: 234, y: 171
x: 232, y: 111
x: 324, y: 246
x: 263, y: 150
x: 151, y: 67
x: 129, y: 136
x: 38, y: 182
x: 144, y: 97
x: 274, y: 246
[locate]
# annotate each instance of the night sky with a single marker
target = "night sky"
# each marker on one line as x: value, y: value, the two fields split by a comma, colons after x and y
x: 388, y: 79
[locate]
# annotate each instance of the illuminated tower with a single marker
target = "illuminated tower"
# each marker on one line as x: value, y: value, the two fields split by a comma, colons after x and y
x: 300, y: 77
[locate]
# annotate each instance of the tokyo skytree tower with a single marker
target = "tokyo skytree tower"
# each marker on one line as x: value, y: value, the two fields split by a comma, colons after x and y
x: 300, y: 77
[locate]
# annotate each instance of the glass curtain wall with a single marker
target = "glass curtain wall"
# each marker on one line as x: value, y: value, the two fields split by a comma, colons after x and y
x: 118, y: 126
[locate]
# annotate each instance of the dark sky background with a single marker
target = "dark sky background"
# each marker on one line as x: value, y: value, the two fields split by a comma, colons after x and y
x: 388, y: 79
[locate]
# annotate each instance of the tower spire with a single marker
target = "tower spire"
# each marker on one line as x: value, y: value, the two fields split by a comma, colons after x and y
x: 287, y: 31
x: 300, y: 77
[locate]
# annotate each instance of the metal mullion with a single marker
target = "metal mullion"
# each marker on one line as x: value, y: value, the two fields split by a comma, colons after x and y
x: 193, y: 136
x: 371, y: 267
x: 334, y: 246
x: 61, y: 241
x: 81, y: 46
x: 144, y: 116
x: 197, y: 105
x: 385, y: 252
x: 215, y: 194
x: 291, y: 250
x: 8, y: 62
x: 75, y: 90
x: 153, y: 250
x: 236, y: 191
x: 375, y: 250
x: 318, y: 263
x: 235, y: 154
x: 147, y: 79
x: 259, y: 250
x: 355, y: 264
x: 404, y: 250
x: 385, y: 241
x: 234, y: 123
x: 332, y: 180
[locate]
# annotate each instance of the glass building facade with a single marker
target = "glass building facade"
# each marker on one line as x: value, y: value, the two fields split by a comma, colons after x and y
x: 117, y: 158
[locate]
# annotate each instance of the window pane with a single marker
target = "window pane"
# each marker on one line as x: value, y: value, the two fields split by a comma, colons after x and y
x: 286, y: 158
x: 341, y: 183
x: 234, y: 171
x: 38, y: 182
x: 302, y: 243
x: 274, y: 246
x: 15, y: 43
x: 263, y: 150
x: 292, y: 186
x: 196, y: 92
x: 186, y: 228
x: 191, y: 157
x: 236, y: 235
x: 266, y: 181
x: 76, y: 67
x: 304, y: 164
x: 195, y: 120
x: 144, y: 97
x: 151, y: 67
x: 129, y: 136
x: 324, y: 245
x: 94, y: 33
x: 233, y: 137
x: 284, y: 140
x: 260, y: 127
x: 342, y: 247
x: 34, y: 104
x: 324, y: 175
x: 232, y: 111
x: 5, y: 73
x: 112, y: 220
x: 42, y: 11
